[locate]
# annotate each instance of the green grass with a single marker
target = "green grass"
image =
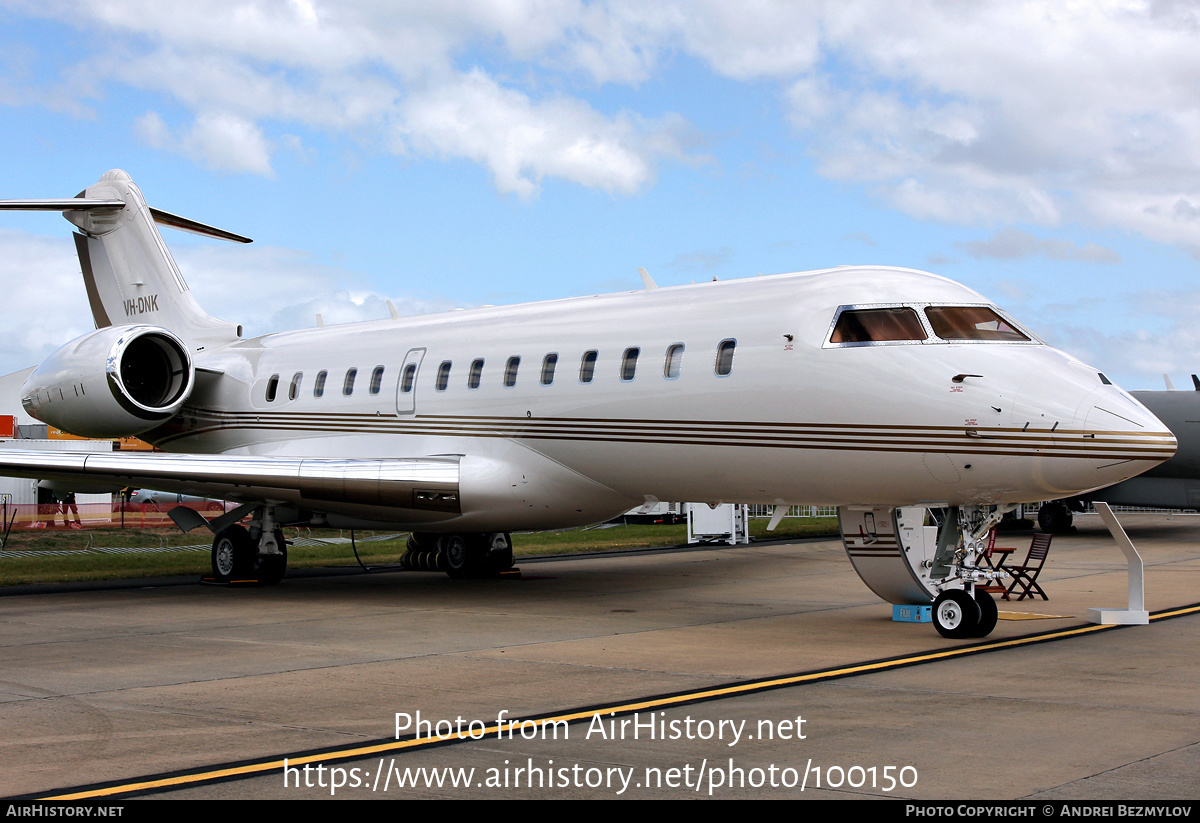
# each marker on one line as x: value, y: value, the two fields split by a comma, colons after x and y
x: 94, y: 566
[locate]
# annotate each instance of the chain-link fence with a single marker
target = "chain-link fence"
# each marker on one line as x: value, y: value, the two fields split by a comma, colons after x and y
x: 758, y: 510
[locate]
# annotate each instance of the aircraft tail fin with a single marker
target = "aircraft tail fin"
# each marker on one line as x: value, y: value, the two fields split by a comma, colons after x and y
x: 129, y: 274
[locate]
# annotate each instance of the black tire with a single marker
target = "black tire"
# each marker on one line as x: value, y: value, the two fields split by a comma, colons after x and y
x: 988, y: 614
x: 270, y: 568
x: 461, y: 554
x: 232, y: 554
x: 955, y: 614
x: 1055, y: 518
x: 423, y: 541
x: 500, y: 554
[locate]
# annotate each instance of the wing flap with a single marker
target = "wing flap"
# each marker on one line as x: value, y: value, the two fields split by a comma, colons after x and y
x: 425, y: 484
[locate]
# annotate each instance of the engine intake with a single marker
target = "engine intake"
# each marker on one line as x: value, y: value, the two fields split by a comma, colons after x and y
x: 113, y: 382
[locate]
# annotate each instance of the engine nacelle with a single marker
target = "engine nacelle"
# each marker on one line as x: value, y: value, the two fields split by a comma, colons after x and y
x: 113, y: 382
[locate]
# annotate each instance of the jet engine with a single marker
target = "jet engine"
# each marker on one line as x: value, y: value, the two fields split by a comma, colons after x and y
x: 114, y: 382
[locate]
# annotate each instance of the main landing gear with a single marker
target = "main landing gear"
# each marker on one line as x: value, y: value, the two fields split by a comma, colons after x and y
x: 1055, y: 517
x: 254, y: 555
x: 460, y: 555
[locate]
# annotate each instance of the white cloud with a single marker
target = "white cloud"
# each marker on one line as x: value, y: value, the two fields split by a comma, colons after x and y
x: 1133, y: 338
x: 382, y: 72
x: 1009, y: 244
x: 220, y: 142
x: 265, y: 289
x: 1135, y: 359
x: 41, y: 278
x: 983, y: 112
x: 522, y: 141
x: 269, y: 289
x: 1012, y: 111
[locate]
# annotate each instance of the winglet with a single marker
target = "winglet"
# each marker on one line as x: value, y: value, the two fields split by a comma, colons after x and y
x: 647, y: 280
x: 392, y: 311
x: 1167, y: 380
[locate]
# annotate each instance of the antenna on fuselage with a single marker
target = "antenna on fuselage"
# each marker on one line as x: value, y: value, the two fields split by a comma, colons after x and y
x: 647, y: 280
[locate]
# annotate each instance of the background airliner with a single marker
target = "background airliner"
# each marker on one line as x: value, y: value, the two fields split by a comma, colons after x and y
x: 868, y: 388
x: 1173, y: 484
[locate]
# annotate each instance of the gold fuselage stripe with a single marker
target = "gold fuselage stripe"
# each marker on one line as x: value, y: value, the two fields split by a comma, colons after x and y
x: 927, y: 439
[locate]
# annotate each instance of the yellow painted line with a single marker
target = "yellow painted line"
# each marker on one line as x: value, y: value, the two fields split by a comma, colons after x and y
x: 668, y: 701
x: 1193, y: 609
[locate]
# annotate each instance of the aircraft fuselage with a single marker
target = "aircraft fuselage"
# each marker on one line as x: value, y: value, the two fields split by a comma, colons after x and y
x: 796, y: 418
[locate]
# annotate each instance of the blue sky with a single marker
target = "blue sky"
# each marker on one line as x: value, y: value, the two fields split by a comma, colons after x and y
x: 458, y: 153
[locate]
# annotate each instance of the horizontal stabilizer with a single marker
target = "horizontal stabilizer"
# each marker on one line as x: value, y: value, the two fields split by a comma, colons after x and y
x: 67, y: 204
x: 184, y: 224
x: 86, y: 204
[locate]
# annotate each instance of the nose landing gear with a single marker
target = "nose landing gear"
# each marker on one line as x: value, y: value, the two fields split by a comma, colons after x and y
x: 968, y: 611
x: 958, y: 615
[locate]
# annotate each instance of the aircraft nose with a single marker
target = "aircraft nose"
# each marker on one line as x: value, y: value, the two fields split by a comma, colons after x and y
x: 1127, y: 438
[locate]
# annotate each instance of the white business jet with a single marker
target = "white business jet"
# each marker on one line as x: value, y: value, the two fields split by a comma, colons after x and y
x: 865, y: 387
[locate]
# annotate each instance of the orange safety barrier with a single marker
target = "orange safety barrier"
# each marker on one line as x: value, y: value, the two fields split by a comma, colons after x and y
x: 100, y: 515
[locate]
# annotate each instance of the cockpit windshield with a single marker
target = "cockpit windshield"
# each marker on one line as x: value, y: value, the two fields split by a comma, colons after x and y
x: 871, y: 325
x: 922, y: 323
x: 970, y: 323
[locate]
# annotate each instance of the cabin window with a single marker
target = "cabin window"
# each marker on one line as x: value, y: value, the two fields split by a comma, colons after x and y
x: 629, y: 363
x: 443, y: 376
x: 510, y: 371
x: 875, y: 325
x: 587, y: 366
x: 476, y: 374
x: 971, y: 323
x: 376, y: 379
x: 272, y: 388
x: 294, y: 389
x: 548, y: 364
x: 410, y: 376
x: 348, y: 383
x: 673, y: 361
x: 725, y: 357
x: 319, y: 384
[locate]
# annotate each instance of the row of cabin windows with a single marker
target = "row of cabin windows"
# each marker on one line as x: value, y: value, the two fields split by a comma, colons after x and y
x: 319, y: 383
x: 672, y: 363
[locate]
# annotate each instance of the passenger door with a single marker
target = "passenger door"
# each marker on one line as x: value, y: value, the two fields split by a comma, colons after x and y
x: 406, y: 388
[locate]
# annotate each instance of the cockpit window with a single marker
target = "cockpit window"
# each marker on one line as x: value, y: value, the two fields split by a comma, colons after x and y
x: 971, y: 323
x: 875, y: 325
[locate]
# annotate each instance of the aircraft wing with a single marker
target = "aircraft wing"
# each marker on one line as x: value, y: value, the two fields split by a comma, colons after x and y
x: 391, y: 485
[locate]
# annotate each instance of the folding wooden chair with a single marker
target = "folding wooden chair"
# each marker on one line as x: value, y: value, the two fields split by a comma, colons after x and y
x: 1025, y: 575
x: 995, y: 587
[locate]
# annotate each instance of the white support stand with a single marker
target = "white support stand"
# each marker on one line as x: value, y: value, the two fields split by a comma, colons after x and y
x: 727, y: 523
x: 1136, y: 614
